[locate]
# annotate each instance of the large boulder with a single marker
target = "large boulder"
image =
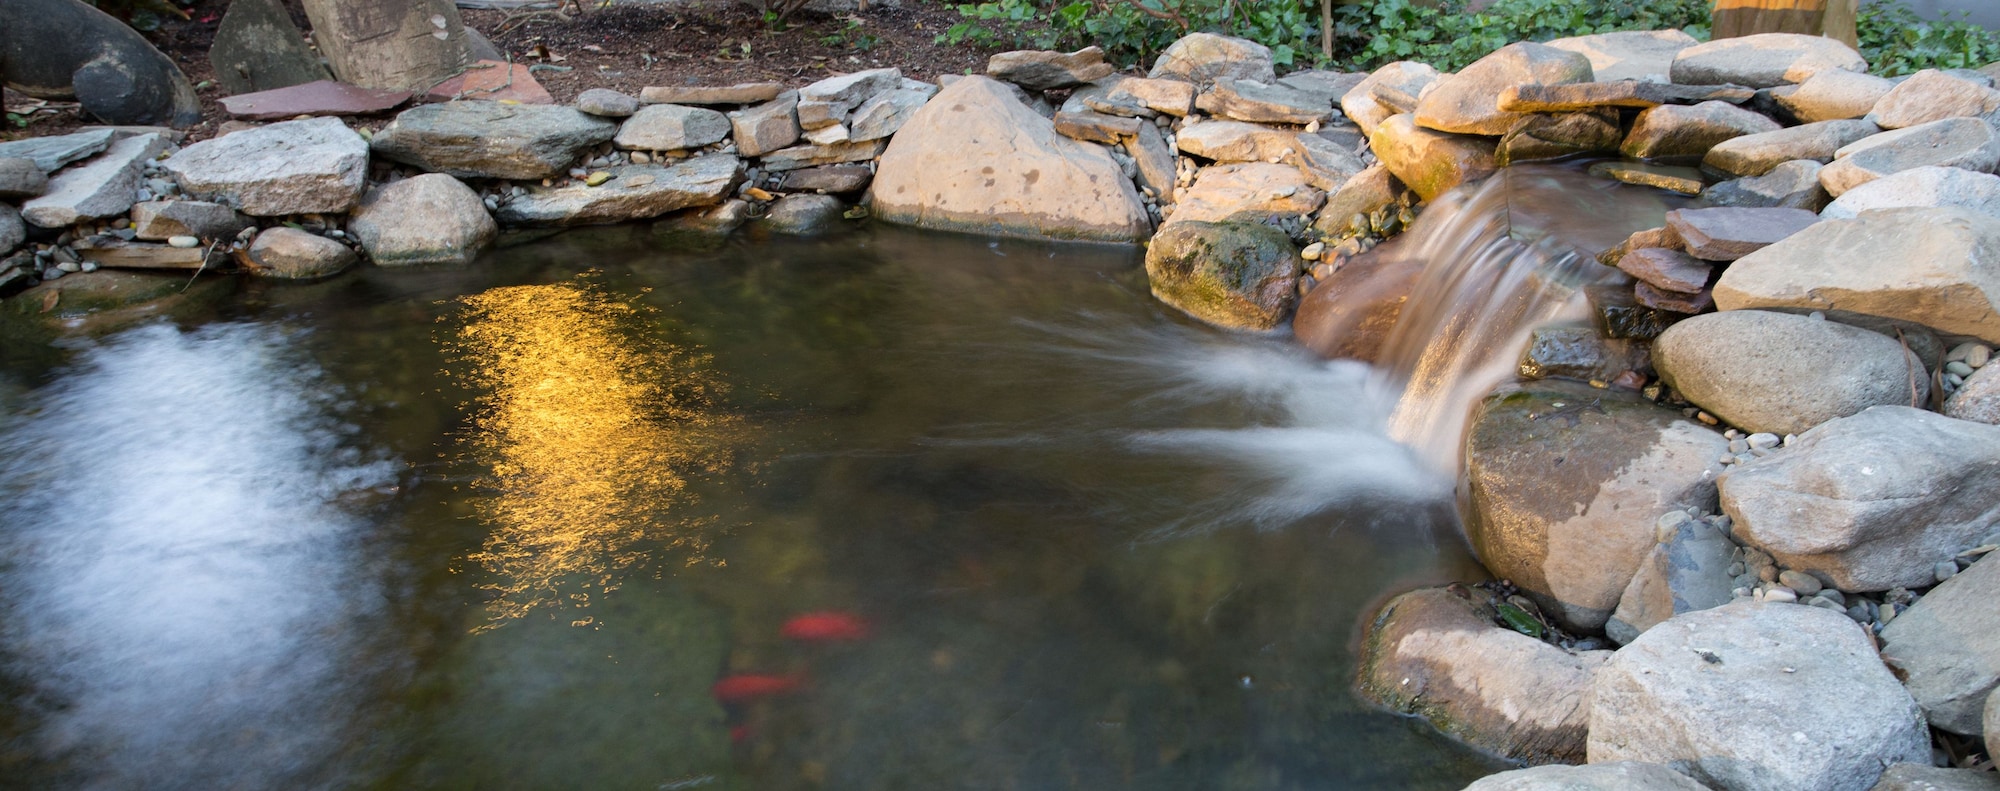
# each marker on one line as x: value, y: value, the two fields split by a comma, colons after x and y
x: 1873, y: 501
x: 1464, y: 103
x: 634, y: 192
x: 1438, y: 654
x: 294, y: 167
x: 1967, y: 143
x: 1616, y: 776
x: 1756, y: 696
x: 65, y: 49
x: 258, y: 48
x: 1932, y: 95
x: 1947, y: 648
x: 1405, y: 77
x: 1765, y: 60
x: 1629, y: 54
x: 105, y: 186
x: 1229, y: 274
x: 1784, y: 373
x: 1431, y: 163
x: 1925, y: 187
x: 976, y: 159
x: 1672, y: 131
x: 1565, y: 483
x: 1833, y: 95
x: 429, y: 219
x: 1247, y: 192
x: 1687, y: 571
x: 1757, y: 154
x: 491, y: 139
x: 1936, y: 267
x: 1203, y: 58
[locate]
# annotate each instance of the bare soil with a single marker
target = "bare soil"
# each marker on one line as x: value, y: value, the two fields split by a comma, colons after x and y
x: 624, y: 47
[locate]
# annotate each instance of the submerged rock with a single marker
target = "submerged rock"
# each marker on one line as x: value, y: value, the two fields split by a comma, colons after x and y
x: 1947, y: 648
x: 1756, y: 696
x: 1614, y: 776
x: 804, y: 215
x: 1438, y: 654
x: 1564, y: 484
x: 1232, y: 275
x: 1351, y: 313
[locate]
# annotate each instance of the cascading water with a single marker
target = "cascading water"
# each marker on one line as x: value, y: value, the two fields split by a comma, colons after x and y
x: 1498, y: 259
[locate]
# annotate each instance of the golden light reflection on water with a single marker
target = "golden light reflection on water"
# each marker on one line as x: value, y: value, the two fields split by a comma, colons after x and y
x: 591, y: 429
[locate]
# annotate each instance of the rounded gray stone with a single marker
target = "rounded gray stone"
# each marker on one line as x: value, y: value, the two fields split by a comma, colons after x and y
x: 1783, y: 373
x: 428, y: 219
x: 292, y: 254
x: 606, y: 103
x: 804, y: 215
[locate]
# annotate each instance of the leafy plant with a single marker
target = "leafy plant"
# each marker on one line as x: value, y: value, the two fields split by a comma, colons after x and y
x: 1450, y: 37
x: 1896, y: 41
x: 851, y: 35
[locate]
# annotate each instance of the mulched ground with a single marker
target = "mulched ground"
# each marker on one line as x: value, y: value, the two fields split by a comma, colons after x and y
x: 624, y: 47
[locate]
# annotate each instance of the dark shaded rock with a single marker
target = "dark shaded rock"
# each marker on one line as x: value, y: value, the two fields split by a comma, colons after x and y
x: 1571, y: 352
x: 1684, y: 180
x: 1726, y: 234
x: 1667, y: 270
x: 1042, y: 71
x: 324, y: 97
x: 12, y: 230
x: 1674, y: 131
x: 1617, y: 313
x: 1672, y: 301
x: 804, y: 215
x: 160, y: 220
x: 742, y: 93
x: 21, y: 178
x: 1350, y: 314
x: 292, y: 254
x: 833, y: 179
x: 115, y: 253
x: 1576, y: 96
x: 1792, y: 185
x: 491, y: 139
x: 1686, y: 572
x: 64, y: 49
x: 1232, y: 275
x: 257, y: 48
x: 51, y: 153
x: 1542, y: 136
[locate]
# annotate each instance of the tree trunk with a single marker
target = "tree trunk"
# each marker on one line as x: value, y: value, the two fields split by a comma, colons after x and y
x: 1747, y: 17
x: 1841, y: 19
x: 407, y: 45
x: 1326, y: 31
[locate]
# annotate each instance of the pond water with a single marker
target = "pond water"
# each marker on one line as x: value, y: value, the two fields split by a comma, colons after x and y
x: 552, y: 521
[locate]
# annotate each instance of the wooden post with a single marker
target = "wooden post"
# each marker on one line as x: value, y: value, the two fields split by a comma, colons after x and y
x: 1326, y: 30
x: 397, y: 44
x: 1748, y: 17
x: 1842, y: 18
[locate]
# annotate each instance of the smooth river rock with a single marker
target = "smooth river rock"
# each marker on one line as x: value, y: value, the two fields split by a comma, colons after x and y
x: 1977, y: 400
x: 1967, y: 143
x: 976, y: 159
x: 292, y: 254
x: 492, y: 139
x: 634, y: 192
x: 1790, y: 185
x: 1464, y: 103
x: 1783, y: 373
x: 427, y: 219
x: 1437, y: 653
x: 1672, y: 131
x: 1918, y: 777
x: 1948, y: 648
x: 1764, y: 60
x: 1234, y: 275
x: 1615, y: 776
x: 1873, y: 501
x: 1565, y: 484
x: 1924, y: 187
x: 1431, y: 163
x: 1936, y: 267
x: 1756, y: 696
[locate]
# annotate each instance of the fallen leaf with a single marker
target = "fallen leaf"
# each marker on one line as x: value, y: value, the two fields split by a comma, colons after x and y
x: 50, y: 299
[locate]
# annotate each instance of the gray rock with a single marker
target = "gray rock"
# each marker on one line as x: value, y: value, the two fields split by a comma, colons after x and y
x: 1993, y: 723
x: 606, y: 103
x: 1953, y: 142
x: 159, y: 221
x: 1431, y: 163
x: 826, y: 102
x: 1253, y: 192
x: 635, y: 192
x: 1203, y: 58
x: 835, y: 179
x: 1577, y: 352
x: 1756, y: 155
x: 1616, y: 776
x: 294, y: 167
x: 767, y: 127
x: 1249, y: 100
x: 491, y: 139
x: 1464, y: 103
x: 1368, y: 191
x: 1871, y: 502
x: 1833, y: 95
x: 65, y: 49
x: 428, y: 219
x: 1764, y: 60
x: 1919, y: 777
x: 1038, y: 70
x: 809, y: 155
x: 12, y: 231
x: 1154, y: 162
x: 1977, y: 400
x: 1328, y: 84
x: 1727, y: 234
x: 1947, y: 647
x: 671, y: 127
x: 1405, y: 77
x: 1236, y: 141
x: 1437, y: 653
x: 257, y: 48
x: 1716, y: 694
x: 1169, y: 96
x: 1784, y: 373
x: 292, y: 254
x: 52, y: 153
x: 1667, y: 270
x: 1928, y: 186
x: 1672, y: 130
x: 1629, y: 55
x: 1572, y: 534
x: 1686, y: 572
x: 886, y: 112
x: 1932, y: 95
x: 1229, y: 274
x: 21, y: 178
x: 1791, y: 185
x: 741, y: 93
x: 804, y: 215
x: 976, y: 158
x: 1939, y: 268
x: 1326, y: 164
x: 105, y: 186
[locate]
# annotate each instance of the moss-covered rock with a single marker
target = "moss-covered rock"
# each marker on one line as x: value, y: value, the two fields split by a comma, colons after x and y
x: 1232, y: 275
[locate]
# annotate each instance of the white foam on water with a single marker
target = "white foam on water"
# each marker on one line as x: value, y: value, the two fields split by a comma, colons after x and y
x: 181, y: 585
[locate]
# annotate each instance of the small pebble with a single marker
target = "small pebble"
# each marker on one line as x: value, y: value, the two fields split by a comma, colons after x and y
x: 89, y: 266
x: 1764, y: 441
x: 1946, y: 570
x: 1781, y: 594
x: 1736, y: 569
x: 183, y: 242
x: 1767, y: 573
x: 1958, y: 368
x: 70, y: 266
x: 1313, y: 251
x: 1800, y: 581
x: 1738, y: 446
x: 1707, y: 418
x: 1825, y: 604
x: 1833, y: 596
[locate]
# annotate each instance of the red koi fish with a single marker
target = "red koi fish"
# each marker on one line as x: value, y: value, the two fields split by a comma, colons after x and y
x: 824, y: 627
x: 747, y: 687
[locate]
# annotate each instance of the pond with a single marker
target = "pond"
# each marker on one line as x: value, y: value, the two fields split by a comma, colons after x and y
x: 881, y: 510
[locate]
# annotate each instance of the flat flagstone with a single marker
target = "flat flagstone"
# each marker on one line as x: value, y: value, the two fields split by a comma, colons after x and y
x: 741, y: 93
x: 493, y: 80
x: 324, y: 97
x: 1726, y: 234
x: 1567, y: 97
